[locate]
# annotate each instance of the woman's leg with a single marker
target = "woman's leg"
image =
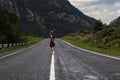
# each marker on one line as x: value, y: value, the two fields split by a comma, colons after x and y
x: 52, y: 50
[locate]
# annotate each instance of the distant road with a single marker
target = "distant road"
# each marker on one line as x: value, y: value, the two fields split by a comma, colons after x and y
x: 70, y: 64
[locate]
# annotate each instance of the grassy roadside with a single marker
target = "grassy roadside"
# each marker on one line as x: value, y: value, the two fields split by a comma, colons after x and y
x: 93, y: 47
x: 33, y: 41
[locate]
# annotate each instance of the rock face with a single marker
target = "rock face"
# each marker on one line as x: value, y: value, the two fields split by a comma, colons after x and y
x: 38, y: 17
x: 115, y: 22
x: 10, y: 5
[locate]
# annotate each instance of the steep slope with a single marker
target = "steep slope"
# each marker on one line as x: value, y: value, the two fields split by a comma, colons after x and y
x: 38, y: 17
x: 115, y: 22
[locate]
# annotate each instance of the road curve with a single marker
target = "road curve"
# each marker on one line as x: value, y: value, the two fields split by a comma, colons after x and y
x: 76, y: 64
x: 30, y: 64
x: 70, y: 64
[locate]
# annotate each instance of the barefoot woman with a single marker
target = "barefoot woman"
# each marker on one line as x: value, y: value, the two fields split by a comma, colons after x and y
x: 52, y: 43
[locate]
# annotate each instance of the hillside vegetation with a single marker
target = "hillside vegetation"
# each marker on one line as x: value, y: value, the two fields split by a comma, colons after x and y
x: 102, y: 38
x: 30, y: 41
x: 10, y: 30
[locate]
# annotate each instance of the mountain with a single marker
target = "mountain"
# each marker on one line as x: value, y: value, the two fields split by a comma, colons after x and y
x: 115, y: 22
x: 38, y: 17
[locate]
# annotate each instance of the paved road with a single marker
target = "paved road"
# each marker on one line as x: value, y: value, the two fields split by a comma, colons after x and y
x: 70, y: 64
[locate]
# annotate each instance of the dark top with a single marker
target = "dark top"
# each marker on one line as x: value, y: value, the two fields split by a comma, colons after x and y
x: 52, y: 44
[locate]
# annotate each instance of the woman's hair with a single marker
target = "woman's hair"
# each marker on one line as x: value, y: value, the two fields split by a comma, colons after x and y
x: 51, y: 33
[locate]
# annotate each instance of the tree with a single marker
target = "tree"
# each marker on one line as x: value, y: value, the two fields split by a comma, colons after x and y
x: 97, y: 26
x: 9, y: 27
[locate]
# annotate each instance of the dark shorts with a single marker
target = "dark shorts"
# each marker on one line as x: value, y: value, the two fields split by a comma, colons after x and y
x: 52, y: 44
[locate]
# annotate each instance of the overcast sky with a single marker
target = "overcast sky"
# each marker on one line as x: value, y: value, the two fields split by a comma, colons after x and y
x: 106, y: 10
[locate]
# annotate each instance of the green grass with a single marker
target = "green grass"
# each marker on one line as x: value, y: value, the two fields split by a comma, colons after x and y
x: 33, y: 41
x: 93, y: 47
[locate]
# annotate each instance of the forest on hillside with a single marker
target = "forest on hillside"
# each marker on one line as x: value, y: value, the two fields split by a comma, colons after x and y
x: 106, y: 35
x: 102, y: 35
x: 10, y: 29
x: 39, y: 17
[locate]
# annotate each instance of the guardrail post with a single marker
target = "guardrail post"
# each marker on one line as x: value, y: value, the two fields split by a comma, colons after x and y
x: 2, y: 45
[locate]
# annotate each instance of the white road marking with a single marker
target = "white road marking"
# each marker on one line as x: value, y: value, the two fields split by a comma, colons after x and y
x: 18, y: 51
x: 92, y: 51
x: 90, y: 77
x: 52, y: 68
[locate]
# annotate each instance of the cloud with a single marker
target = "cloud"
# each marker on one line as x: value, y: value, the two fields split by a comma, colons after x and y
x: 103, y: 9
x: 106, y: 2
x: 118, y: 12
x: 82, y: 0
x: 106, y: 17
x: 117, y: 4
x: 88, y: 8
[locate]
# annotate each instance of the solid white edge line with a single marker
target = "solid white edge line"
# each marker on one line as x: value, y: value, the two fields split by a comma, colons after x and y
x: 100, y: 54
x: 19, y: 51
x: 52, y: 69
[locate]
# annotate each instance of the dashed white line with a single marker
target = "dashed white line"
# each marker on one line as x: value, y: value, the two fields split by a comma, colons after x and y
x: 100, y: 54
x: 52, y: 68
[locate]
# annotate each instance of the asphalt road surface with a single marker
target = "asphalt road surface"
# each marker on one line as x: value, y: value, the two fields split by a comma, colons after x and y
x: 70, y: 64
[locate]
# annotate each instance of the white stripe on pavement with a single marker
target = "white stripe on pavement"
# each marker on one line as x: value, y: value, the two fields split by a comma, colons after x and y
x: 100, y: 54
x: 52, y: 68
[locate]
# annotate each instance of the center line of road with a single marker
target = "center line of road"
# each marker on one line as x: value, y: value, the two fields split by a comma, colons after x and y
x: 52, y: 68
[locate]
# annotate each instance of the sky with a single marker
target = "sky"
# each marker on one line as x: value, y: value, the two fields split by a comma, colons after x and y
x: 106, y: 10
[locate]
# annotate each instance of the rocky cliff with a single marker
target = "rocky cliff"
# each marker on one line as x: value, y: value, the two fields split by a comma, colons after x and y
x: 38, y: 17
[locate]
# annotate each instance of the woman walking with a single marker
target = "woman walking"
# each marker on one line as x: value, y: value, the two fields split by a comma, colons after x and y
x: 52, y: 43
